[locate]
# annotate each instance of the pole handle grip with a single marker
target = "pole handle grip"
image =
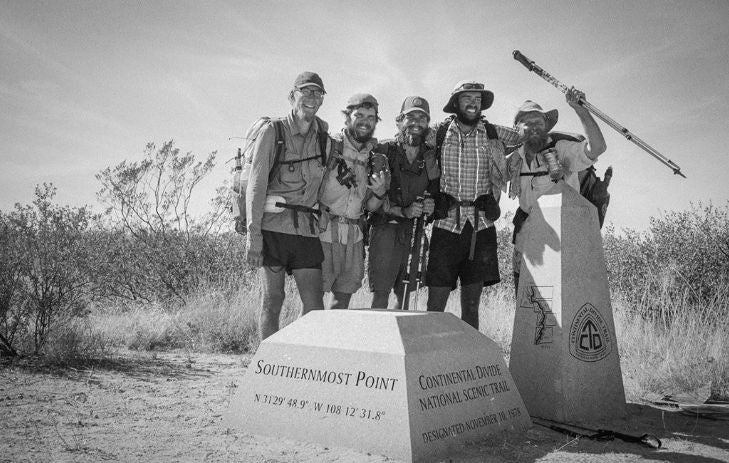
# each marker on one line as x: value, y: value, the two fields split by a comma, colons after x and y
x: 523, y: 60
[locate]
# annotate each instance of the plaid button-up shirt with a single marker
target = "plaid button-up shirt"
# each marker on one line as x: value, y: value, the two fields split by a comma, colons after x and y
x: 473, y: 165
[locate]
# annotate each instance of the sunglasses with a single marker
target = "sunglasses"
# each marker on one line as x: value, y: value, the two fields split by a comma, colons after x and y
x: 307, y: 91
x: 471, y: 86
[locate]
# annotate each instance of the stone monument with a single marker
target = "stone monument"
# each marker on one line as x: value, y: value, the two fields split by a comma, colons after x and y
x: 409, y: 385
x: 564, y: 354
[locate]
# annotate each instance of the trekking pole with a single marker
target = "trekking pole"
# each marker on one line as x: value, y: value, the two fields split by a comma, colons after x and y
x: 412, y: 264
x: 573, y: 430
x: 421, y: 255
x: 532, y: 66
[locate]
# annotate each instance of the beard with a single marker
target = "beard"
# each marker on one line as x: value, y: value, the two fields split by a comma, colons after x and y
x: 353, y: 134
x: 536, y: 141
x: 467, y: 119
x: 414, y: 139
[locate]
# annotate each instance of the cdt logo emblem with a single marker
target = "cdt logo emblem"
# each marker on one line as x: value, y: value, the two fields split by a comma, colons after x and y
x: 590, y: 339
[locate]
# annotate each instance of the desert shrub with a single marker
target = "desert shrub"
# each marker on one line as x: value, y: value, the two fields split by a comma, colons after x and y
x: 45, y: 273
x: 157, y: 249
x: 74, y: 341
x: 684, y: 255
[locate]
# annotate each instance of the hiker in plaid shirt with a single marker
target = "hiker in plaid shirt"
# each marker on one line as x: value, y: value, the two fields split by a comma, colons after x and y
x: 473, y: 175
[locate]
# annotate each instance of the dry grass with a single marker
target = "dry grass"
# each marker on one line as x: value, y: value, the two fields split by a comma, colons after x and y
x: 679, y: 348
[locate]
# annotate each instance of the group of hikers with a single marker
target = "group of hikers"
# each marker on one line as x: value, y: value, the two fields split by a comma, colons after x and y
x: 313, y: 201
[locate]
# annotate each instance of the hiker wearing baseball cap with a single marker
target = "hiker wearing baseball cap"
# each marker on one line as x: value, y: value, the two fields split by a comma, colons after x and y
x: 286, y: 171
x: 547, y: 157
x: 355, y: 181
x: 472, y: 157
x: 412, y: 166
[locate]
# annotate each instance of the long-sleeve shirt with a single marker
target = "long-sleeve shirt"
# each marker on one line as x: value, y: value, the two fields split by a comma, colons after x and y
x: 346, y: 203
x: 473, y: 165
x: 298, y: 183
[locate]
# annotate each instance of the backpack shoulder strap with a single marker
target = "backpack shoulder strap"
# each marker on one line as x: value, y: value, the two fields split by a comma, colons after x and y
x: 490, y: 129
x: 440, y: 135
x: 280, y: 144
x: 559, y: 136
x: 335, y: 156
x: 323, y: 142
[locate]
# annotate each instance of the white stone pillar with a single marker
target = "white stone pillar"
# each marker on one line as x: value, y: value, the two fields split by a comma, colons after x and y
x: 564, y: 354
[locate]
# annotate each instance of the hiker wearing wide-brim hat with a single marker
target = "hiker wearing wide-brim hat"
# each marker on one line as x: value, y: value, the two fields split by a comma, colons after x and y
x: 547, y: 157
x: 487, y: 96
x: 472, y: 159
x: 550, y: 117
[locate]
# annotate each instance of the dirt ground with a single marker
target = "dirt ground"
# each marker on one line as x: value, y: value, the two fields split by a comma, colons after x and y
x: 168, y: 407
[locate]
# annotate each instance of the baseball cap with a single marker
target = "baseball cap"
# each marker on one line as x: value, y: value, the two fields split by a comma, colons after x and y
x: 308, y: 79
x: 415, y: 103
x: 359, y: 99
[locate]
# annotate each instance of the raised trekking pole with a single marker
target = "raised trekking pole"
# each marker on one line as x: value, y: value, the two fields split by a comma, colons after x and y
x: 532, y: 66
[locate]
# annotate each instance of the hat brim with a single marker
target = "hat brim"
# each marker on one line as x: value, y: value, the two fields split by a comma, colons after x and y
x: 311, y: 84
x: 416, y: 109
x: 487, y: 99
x: 551, y: 117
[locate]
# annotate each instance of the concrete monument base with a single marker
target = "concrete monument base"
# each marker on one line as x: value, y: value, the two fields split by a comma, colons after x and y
x: 409, y: 385
x: 564, y: 354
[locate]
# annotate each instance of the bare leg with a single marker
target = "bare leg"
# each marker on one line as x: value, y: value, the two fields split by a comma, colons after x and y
x: 470, y: 300
x: 272, y: 297
x: 308, y: 281
x: 380, y: 299
x: 340, y: 300
x: 398, y: 298
x: 438, y: 298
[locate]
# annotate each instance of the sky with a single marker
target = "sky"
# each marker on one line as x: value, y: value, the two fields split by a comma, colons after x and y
x: 87, y: 84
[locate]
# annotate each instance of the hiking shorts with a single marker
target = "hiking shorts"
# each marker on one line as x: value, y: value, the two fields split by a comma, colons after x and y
x: 448, y: 261
x: 292, y: 252
x: 343, y: 267
x: 388, y: 256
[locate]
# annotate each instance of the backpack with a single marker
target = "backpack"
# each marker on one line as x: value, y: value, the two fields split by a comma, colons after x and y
x: 244, y: 160
x: 591, y: 186
x: 594, y: 189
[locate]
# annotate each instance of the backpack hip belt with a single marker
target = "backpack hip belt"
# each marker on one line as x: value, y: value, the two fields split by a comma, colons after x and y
x: 296, y: 209
x: 336, y: 220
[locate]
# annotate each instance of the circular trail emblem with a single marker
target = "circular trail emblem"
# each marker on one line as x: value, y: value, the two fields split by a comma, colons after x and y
x: 590, y: 338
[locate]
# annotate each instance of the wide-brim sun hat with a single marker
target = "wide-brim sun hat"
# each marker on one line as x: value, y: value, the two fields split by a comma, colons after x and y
x: 529, y: 106
x: 487, y: 96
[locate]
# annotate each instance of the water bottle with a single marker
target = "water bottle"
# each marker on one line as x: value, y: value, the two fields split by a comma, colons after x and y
x: 554, y: 166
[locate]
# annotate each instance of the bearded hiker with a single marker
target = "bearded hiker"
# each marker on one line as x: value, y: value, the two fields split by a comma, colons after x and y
x: 471, y: 154
x: 354, y: 183
x: 547, y: 157
x: 412, y: 167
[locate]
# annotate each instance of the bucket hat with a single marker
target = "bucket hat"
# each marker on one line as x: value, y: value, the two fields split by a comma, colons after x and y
x: 487, y: 96
x: 531, y: 107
